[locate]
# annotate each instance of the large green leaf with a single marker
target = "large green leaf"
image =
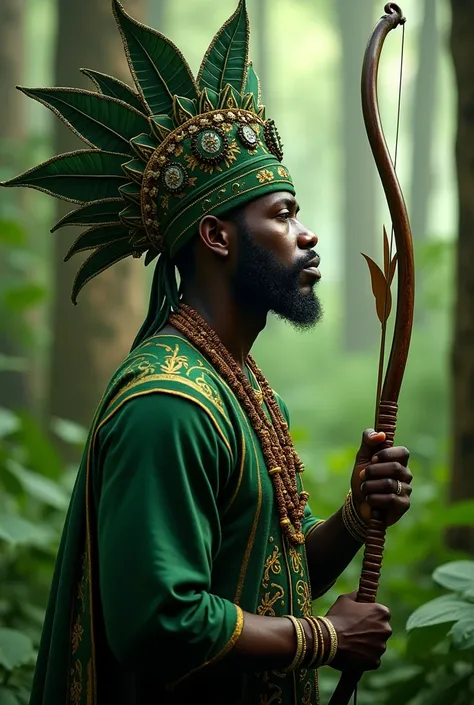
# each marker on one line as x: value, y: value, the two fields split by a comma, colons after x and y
x: 442, y: 609
x: 99, y: 261
x: 18, y: 531
x: 457, y: 576
x: 24, y: 296
x: 456, y: 514
x: 79, y: 177
x: 157, y: 66
x: 462, y: 633
x: 102, y: 122
x: 98, y: 236
x: 12, y: 234
x: 16, y: 649
x: 69, y: 432
x: 114, y: 88
x: 93, y: 214
x: 226, y: 59
x: 39, y: 487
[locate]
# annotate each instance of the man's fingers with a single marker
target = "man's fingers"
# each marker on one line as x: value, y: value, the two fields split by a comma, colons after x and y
x: 397, y: 453
x: 393, y: 470
x: 386, y: 486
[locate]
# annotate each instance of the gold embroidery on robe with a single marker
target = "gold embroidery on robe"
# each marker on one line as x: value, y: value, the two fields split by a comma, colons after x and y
x: 304, y: 597
x: 75, y: 690
x: 265, y: 608
x: 272, y: 564
x: 296, y: 560
x: 308, y: 690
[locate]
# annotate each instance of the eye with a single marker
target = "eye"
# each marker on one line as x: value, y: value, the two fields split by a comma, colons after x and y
x: 284, y: 215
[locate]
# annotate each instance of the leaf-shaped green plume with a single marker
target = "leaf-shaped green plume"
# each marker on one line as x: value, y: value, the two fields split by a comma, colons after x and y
x: 99, y: 261
x: 131, y: 215
x: 380, y: 290
x: 226, y: 59
x: 97, y: 237
x: 134, y: 169
x: 161, y: 126
x: 93, y: 214
x: 208, y: 101
x: 230, y: 98
x: 79, y: 177
x: 130, y: 193
x: 158, y: 68
x: 144, y: 146
x: 183, y: 110
x: 102, y: 122
x: 114, y: 88
x: 252, y: 84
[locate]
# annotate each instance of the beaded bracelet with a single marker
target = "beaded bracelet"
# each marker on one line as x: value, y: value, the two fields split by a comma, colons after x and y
x: 354, y: 525
x: 301, y: 645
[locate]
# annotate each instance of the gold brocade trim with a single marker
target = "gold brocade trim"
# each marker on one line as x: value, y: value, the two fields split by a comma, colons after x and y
x: 77, y: 633
x: 308, y: 691
x: 265, y: 608
x: 239, y: 625
x: 273, y: 695
x: 172, y: 392
x: 75, y: 688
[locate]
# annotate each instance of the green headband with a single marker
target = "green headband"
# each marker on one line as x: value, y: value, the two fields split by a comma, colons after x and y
x: 163, y: 157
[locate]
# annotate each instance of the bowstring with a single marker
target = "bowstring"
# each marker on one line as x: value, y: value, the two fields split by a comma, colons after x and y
x: 392, y: 232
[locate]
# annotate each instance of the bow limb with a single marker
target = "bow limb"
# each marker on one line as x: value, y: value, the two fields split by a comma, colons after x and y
x: 388, y: 404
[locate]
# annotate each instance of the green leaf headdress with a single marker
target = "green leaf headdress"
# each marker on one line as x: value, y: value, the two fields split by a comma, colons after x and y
x: 161, y: 157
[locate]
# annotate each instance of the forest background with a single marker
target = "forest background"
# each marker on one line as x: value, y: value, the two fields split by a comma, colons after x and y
x: 55, y: 359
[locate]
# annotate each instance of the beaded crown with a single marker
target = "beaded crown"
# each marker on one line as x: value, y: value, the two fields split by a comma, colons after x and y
x: 162, y: 155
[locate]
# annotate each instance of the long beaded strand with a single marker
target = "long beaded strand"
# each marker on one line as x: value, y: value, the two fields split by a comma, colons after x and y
x: 280, y: 456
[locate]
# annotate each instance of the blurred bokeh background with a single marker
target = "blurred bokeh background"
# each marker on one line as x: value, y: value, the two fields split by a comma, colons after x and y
x: 55, y: 359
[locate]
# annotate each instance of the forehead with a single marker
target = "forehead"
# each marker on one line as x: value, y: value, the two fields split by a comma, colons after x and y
x: 278, y: 199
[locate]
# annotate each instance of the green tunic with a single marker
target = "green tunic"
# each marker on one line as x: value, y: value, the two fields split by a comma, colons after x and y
x: 171, y: 533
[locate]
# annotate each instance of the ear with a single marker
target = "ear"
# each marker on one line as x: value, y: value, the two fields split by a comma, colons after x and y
x: 216, y: 235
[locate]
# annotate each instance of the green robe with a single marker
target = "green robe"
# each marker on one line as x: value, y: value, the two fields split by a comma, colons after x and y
x: 171, y: 533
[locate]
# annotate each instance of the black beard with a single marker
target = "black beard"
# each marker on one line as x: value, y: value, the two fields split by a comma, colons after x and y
x: 262, y: 284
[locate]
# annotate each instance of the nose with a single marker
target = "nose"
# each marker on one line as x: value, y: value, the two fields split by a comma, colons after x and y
x: 306, y: 238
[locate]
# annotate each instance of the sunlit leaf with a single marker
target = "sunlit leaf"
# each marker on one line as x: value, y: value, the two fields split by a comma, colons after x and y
x: 69, y: 432
x: 16, y: 649
x: 456, y: 576
x: 38, y: 486
x: 9, y: 422
x: 442, y: 609
x: 18, y: 531
x: 380, y: 290
x: 462, y: 634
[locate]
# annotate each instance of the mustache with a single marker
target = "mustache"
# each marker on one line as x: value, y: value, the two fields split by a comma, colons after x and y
x: 310, y: 258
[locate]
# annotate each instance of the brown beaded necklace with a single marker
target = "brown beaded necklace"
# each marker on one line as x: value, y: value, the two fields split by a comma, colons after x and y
x: 281, y: 458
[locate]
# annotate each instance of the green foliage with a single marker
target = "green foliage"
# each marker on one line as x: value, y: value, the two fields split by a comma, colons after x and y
x: 34, y: 495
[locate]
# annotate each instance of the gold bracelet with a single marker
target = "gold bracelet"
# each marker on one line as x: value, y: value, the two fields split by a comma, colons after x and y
x: 334, y: 640
x: 352, y: 521
x: 301, y: 645
x: 321, y: 637
x: 314, y: 658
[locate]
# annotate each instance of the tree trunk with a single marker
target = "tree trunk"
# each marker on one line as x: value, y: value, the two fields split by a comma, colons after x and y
x: 359, y: 228
x: 462, y: 479
x: 89, y: 340
x: 14, y: 385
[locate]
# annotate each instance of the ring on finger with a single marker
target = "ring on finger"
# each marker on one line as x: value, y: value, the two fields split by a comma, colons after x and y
x: 399, y: 488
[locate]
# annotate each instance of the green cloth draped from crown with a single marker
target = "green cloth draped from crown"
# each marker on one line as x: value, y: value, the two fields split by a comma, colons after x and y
x: 162, y: 156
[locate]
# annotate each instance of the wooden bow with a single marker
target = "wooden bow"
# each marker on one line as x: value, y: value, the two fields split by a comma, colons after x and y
x: 387, y: 404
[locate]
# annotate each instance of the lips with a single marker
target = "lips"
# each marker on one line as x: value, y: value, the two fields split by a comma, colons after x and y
x: 312, y: 268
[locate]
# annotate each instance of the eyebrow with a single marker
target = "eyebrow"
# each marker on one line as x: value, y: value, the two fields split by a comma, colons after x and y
x: 289, y: 202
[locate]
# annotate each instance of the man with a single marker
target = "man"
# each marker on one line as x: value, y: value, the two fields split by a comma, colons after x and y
x: 190, y: 557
